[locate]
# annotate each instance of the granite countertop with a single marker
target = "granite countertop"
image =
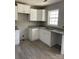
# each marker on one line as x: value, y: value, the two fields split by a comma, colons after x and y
x: 60, y: 31
x: 57, y: 31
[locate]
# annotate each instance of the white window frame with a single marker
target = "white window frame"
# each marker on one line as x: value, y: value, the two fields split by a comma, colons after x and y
x: 53, y: 14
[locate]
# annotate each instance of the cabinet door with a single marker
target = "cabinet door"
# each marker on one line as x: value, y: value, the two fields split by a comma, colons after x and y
x: 20, y: 8
x: 17, y: 37
x: 62, y: 45
x: 39, y: 15
x: 26, y: 9
x: 16, y: 14
x: 33, y: 34
x: 23, y: 8
x: 45, y: 36
x: 33, y: 15
x: 30, y: 34
x: 43, y: 15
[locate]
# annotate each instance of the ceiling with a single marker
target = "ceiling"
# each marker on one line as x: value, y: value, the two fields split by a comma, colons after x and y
x: 38, y: 2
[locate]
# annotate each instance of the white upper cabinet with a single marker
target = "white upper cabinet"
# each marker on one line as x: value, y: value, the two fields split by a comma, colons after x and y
x: 22, y: 8
x: 27, y: 9
x: 16, y: 14
x: 43, y: 15
x: 33, y: 15
x: 37, y: 14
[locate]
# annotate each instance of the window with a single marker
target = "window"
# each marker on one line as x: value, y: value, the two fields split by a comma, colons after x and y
x: 53, y: 17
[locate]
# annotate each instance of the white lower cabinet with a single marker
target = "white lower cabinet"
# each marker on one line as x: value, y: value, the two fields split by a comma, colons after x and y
x: 45, y: 36
x: 62, y: 45
x: 33, y: 34
x: 17, y: 37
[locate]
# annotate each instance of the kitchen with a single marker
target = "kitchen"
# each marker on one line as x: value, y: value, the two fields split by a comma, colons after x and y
x: 34, y: 22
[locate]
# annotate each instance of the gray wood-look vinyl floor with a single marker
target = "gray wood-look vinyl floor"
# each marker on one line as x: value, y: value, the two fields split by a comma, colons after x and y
x: 36, y: 50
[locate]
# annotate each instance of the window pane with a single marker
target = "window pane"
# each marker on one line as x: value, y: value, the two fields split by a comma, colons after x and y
x: 53, y: 17
x: 54, y: 12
